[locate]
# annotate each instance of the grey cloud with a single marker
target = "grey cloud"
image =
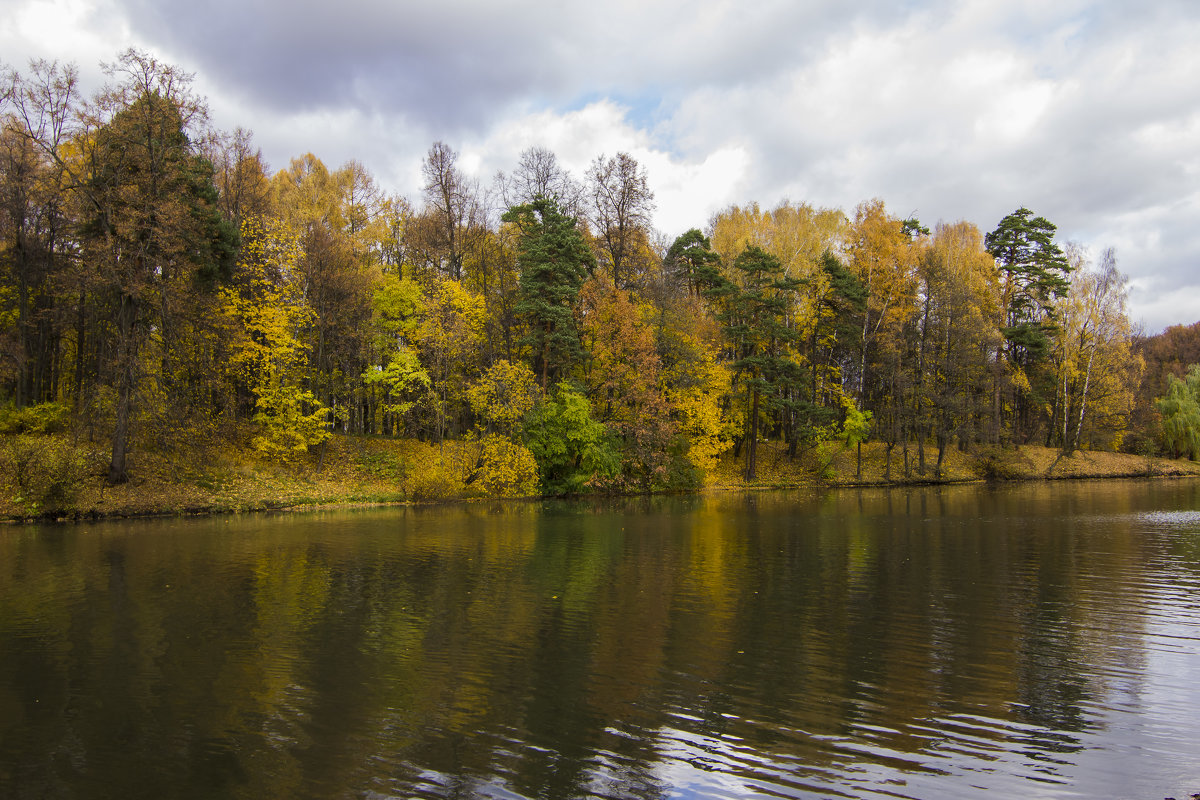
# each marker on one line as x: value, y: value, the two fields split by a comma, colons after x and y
x: 458, y: 64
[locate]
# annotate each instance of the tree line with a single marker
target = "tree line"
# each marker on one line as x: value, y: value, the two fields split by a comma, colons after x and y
x: 162, y: 285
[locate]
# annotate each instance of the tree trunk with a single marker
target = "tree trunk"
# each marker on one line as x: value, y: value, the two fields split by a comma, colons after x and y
x: 1087, y: 377
x: 126, y: 379
x: 752, y: 453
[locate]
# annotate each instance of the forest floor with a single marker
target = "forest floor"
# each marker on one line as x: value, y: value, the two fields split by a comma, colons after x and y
x: 53, y: 476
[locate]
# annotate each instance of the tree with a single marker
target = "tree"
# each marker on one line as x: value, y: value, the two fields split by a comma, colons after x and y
x: 450, y: 339
x: 754, y: 313
x: 884, y: 259
x: 855, y: 429
x: 1165, y: 354
x: 622, y: 378
x: 621, y: 204
x: 340, y: 218
x: 452, y: 211
x: 1098, y: 372
x: 154, y: 226
x: 554, y: 261
x: 267, y: 356
x: 538, y: 174
x: 37, y: 241
x: 1180, y: 410
x: 503, y: 395
x: 241, y: 177
x: 35, y: 255
x: 397, y: 306
x: 572, y: 449
x: 1033, y: 273
x: 957, y: 334
x: 838, y: 300
x: 691, y: 261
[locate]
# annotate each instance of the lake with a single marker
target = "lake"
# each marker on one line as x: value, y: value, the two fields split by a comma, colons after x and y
x: 1033, y: 641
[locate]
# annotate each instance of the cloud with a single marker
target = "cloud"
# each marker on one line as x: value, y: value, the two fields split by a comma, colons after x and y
x: 1085, y: 111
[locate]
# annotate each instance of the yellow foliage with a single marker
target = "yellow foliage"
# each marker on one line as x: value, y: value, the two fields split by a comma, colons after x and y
x: 266, y: 312
x: 290, y: 422
x: 697, y: 407
x: 507, y: 469
x: 504, y: 394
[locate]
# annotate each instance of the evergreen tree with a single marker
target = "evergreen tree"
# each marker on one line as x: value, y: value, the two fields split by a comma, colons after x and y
x: 1033, y: 273
x: 554, y: 260
x: 754, y: 311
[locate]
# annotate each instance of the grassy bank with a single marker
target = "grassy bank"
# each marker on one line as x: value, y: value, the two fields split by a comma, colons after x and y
x: 58, y: 477
x: 836, y: 466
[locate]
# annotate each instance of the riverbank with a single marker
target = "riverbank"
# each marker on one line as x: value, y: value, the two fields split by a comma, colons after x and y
x: 840, y: 467
x: 50, y: 476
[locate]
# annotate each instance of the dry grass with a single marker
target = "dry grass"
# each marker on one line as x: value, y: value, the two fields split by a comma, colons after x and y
x: 836, y: 466
x: 350, y: 469
x: 345, y: 470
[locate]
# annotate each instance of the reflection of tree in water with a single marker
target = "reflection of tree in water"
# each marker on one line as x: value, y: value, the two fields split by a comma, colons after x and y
x: 562, y: 652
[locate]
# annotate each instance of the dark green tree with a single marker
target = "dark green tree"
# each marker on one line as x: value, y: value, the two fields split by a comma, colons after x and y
x: 554, y: 260
x: 753, y: 308
x: 1033, y: 272
x: 155, y: 234
x: 692, y: 261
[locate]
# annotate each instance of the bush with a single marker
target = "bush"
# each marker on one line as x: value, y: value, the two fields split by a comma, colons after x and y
x: 42, y: 418
x: 506, y: 469
x: 432, y: 481
x: 996, y: 463
x: 44, y: 474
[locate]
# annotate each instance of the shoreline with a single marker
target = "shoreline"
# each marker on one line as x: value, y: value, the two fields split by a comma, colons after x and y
x: 363, y: 473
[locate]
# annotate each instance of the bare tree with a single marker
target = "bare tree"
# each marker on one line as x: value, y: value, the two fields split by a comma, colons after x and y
x: 452, y: 209
x: 538, y: 174
x: 241, y: 175
x: 621, y: 204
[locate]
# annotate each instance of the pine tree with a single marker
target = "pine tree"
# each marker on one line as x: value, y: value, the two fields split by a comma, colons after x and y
x: 554, y: 260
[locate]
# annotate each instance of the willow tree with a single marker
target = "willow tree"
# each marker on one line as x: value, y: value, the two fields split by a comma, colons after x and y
x: 1180, y: 410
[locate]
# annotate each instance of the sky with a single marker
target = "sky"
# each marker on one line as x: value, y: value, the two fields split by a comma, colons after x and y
x: 1088, y: 113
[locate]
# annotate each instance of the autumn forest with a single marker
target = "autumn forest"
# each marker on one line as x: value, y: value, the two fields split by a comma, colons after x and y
x: 162, y: 287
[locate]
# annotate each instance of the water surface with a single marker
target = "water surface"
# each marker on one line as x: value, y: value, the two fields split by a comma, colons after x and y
x: 1027, y: 641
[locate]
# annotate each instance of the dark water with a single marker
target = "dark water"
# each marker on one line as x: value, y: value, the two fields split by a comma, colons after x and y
x: 1034, y: 641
